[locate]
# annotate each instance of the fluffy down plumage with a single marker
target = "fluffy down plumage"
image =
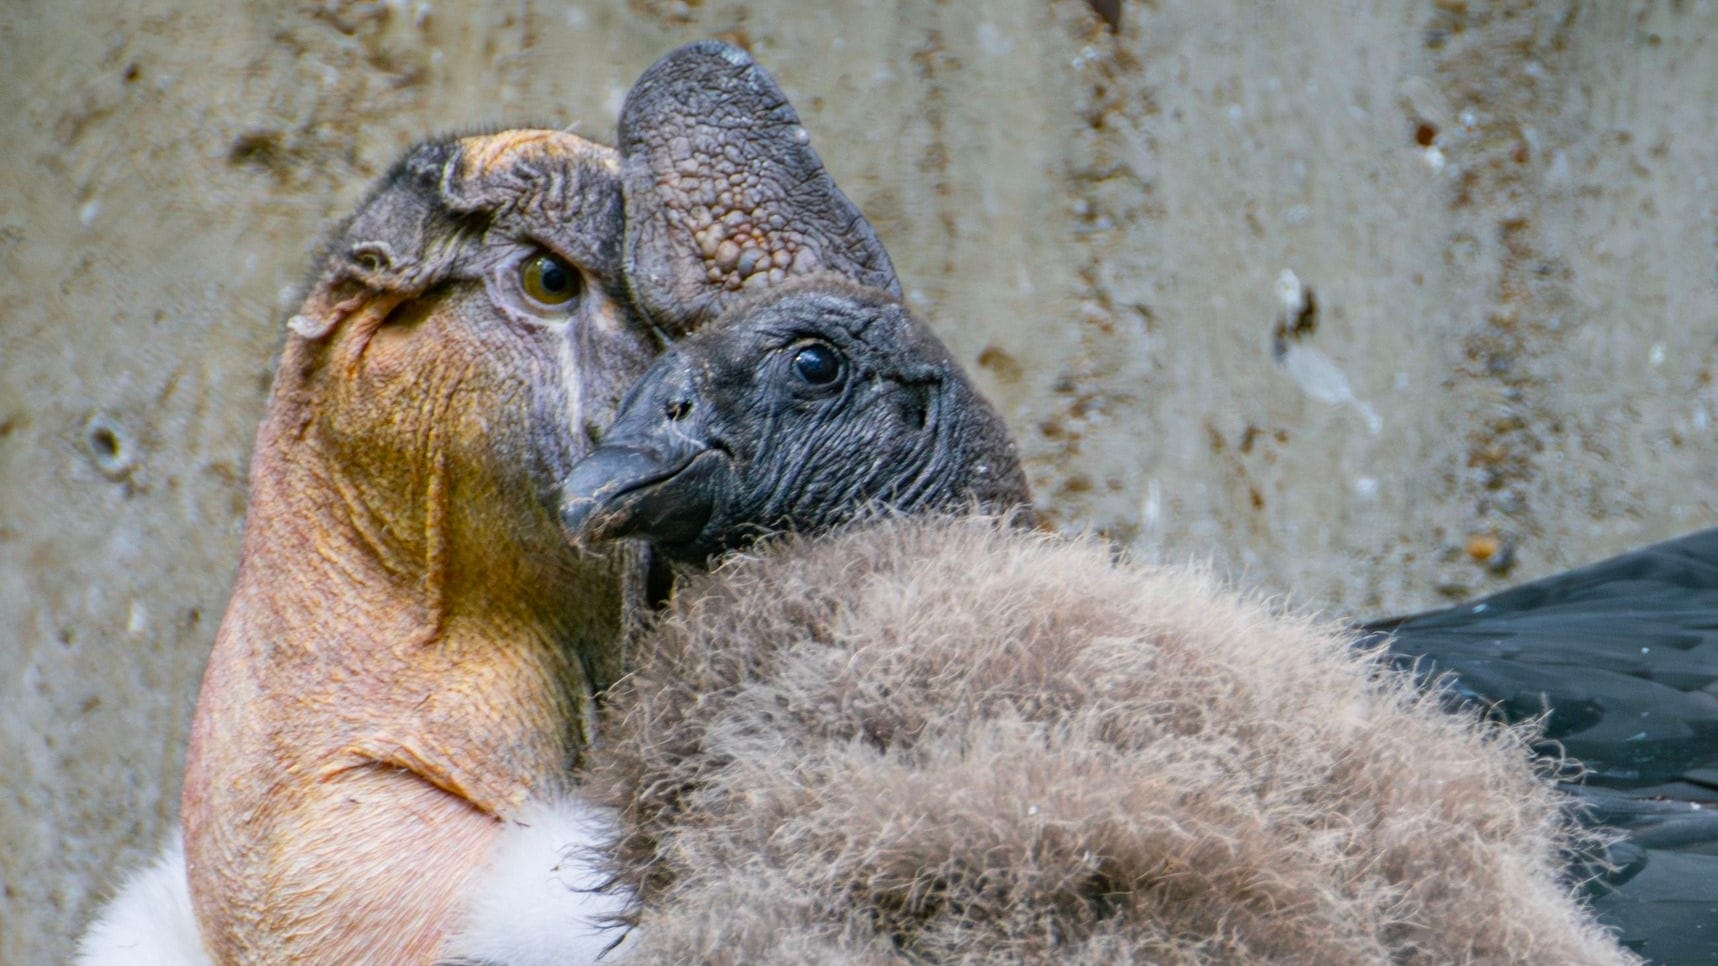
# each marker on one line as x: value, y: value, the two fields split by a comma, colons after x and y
x: 150, y: 922
x: 946, y: 740
x: 542, y: 899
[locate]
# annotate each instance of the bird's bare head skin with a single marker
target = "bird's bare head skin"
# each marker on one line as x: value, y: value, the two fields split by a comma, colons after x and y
x: 411, y: 644
x: 724, y: 194
x: 466, y: 316
x: 819, y: 394
x: 799, y: 409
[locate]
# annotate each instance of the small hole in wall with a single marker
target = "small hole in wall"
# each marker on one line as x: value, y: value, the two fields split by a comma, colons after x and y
x: 110, y: 447
x: 105, y: 443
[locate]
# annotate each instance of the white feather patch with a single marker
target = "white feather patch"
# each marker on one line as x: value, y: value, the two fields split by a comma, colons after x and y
x: 542, y: 899
x: 149, y: 923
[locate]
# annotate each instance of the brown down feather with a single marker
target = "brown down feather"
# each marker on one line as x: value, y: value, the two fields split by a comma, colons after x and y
x: 946, y: 740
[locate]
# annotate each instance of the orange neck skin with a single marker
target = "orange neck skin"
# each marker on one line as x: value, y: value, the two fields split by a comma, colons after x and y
x: 397, y: 672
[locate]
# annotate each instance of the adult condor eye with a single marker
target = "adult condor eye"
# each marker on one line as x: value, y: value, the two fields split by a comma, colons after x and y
x: 818, y: 365
x: 549, y: 280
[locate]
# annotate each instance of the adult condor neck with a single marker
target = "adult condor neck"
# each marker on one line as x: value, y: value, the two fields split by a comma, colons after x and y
x: 406, y: 659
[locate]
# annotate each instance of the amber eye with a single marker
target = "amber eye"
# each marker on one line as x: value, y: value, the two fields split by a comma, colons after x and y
x: 549, y: 280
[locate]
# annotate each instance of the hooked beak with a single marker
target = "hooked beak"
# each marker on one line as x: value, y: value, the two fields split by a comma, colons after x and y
x: 658, y: 473
x: 622, y: 490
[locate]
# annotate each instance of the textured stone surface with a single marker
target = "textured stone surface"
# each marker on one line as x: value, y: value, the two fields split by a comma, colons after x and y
x: 1497, y: 336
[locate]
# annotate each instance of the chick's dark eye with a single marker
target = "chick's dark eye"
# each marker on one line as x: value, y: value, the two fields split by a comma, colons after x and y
x: 549, y: 280
x: 817, y: 364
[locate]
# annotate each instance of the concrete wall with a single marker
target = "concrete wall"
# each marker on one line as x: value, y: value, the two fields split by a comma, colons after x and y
x: 1375, y: 304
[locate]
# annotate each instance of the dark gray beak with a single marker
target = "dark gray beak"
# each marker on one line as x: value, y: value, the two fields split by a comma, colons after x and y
x: 664, y: 494
x: 656, y: 474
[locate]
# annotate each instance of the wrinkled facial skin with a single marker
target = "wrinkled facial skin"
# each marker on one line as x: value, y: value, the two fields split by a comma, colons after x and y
x: 410, y: 649
x: 800, y: 410
x: 437, y: 335
x: 726, y: 202
x: 724, y: 194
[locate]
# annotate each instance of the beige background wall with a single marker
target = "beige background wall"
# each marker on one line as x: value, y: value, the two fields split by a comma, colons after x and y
x: 1503, y: 212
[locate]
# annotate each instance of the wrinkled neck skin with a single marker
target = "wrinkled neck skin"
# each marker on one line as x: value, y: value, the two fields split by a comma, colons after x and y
x: 396, y: 675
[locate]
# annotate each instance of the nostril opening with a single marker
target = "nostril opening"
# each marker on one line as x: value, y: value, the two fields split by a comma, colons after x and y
x: 679, y: 409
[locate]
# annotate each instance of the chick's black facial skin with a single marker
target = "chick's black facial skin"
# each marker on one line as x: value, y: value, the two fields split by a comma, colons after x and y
x: 797, y: 410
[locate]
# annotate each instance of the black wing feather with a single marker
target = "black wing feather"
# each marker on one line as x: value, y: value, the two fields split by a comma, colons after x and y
x: 1621, y: 660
